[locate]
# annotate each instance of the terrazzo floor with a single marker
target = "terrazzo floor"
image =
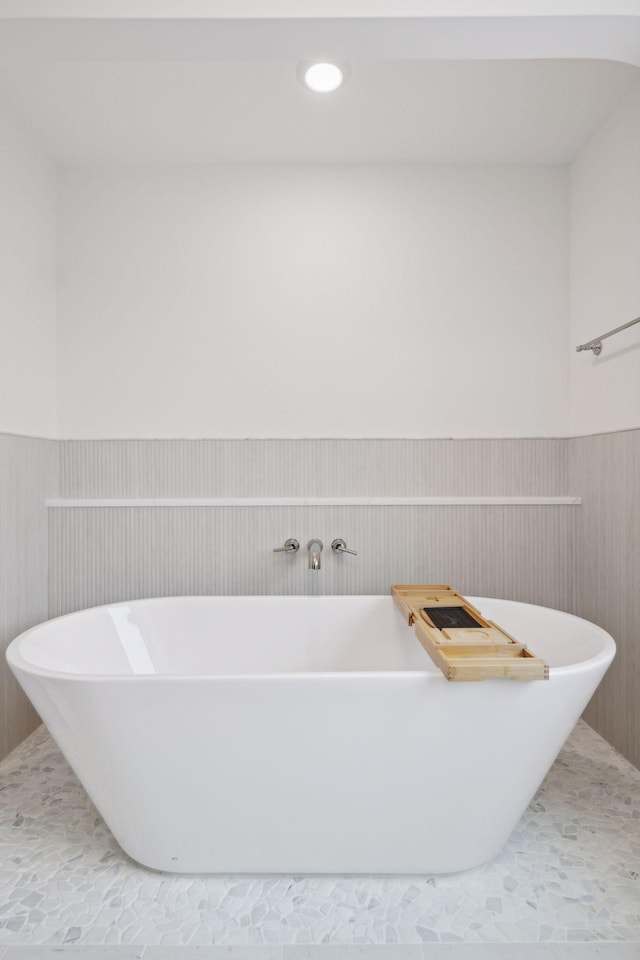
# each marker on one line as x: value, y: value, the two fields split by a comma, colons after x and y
x: 567, y: 885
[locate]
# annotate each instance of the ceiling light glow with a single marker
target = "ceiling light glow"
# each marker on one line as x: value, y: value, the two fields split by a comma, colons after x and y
x: 323, y: 77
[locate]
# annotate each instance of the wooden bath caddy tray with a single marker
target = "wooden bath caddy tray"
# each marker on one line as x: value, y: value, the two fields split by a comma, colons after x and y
x: 459, y: 640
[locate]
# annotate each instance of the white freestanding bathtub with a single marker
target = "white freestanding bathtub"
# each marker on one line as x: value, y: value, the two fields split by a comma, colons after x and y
x: 300, y: 734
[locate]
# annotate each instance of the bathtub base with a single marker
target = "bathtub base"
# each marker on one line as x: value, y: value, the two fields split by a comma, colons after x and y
x: 371, y: 774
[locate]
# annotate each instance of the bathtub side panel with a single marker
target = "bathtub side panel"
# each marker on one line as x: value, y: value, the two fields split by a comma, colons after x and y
x: 342, y: 774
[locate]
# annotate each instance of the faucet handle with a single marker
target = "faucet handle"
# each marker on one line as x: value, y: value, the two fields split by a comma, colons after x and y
x: 339, y: 546
x: 289, y: 546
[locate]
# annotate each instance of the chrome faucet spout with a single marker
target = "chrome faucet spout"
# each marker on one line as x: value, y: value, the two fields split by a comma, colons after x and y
x: 315, y: 548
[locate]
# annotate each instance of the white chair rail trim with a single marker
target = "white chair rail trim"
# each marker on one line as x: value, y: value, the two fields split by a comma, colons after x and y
x: 318, y: 502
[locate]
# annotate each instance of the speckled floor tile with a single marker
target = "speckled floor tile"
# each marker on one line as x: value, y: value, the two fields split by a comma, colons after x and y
x: 569, y: 874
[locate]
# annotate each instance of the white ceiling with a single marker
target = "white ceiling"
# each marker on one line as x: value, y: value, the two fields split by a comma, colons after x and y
x: 525, y: 111
x: 312, y: 8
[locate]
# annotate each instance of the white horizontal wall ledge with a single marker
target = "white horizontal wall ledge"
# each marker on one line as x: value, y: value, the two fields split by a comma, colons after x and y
x: 321, y: 502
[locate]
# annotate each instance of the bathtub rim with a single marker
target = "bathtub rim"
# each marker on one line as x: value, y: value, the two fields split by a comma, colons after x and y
x: 18, y: 663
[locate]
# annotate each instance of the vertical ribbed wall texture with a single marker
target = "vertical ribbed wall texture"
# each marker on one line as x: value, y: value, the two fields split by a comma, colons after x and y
x: 312, y: 468
x: 28, y: 475
x: 605, y: 472
x: 104, y: 554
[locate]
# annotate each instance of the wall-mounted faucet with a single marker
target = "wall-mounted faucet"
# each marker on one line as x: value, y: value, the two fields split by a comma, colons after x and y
x: 315, y: 548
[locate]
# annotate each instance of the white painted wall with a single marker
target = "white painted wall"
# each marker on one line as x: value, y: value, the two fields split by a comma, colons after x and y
x: 27, y: 285
x: 605, y: 273
x: 314, y: 301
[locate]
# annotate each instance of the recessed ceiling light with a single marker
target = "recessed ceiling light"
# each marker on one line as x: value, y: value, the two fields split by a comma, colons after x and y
x: 323, y: 77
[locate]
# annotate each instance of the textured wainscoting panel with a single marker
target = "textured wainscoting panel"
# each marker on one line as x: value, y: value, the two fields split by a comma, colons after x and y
x: 28, y: 475
x: 312, y: 468
x: 605, y: 471
x: 99, y: 555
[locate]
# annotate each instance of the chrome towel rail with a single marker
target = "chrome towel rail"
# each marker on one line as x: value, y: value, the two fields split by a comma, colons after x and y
x: 596, y: 343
